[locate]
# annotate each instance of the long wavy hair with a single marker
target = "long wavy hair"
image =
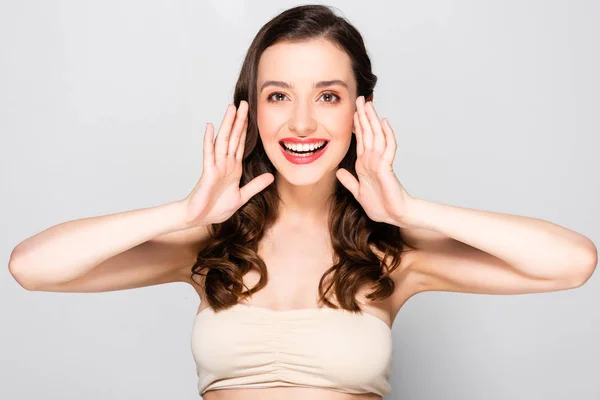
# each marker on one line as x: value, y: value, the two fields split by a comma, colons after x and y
x: 232, y: 248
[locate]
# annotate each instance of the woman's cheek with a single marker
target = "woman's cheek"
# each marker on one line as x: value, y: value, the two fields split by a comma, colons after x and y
x: 341, y: 123
x: 269, y: 120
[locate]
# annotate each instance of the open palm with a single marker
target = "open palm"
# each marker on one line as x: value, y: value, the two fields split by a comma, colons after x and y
x: 377, y: 189
x: 217, y: 195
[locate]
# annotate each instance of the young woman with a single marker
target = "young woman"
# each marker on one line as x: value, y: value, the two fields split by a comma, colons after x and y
x: 299, y: 238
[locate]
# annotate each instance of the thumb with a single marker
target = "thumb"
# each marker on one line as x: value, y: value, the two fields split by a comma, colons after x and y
x: 255, y: 185
x: 348, y: 180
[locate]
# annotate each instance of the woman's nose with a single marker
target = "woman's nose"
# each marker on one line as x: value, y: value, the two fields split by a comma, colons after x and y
x: 302, y: 120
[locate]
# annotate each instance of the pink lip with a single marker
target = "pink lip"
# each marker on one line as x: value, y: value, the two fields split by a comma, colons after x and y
x: 303, y: 160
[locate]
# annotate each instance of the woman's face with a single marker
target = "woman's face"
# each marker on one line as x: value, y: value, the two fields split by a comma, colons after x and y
x: 306, y: 92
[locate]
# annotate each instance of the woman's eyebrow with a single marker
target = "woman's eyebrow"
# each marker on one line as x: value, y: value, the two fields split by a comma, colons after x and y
x: 317, y: 85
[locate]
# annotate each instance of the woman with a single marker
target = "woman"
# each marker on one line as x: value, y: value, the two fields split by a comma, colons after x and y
x: 298, y: 187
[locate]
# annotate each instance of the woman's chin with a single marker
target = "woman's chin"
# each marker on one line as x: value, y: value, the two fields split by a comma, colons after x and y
x: 300, y: 178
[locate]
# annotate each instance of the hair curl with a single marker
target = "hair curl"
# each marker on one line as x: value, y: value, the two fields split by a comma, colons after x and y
x: 232, y: 248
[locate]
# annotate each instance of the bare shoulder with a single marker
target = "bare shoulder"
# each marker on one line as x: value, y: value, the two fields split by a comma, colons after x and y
x: 415, y: 244
x: 408, y: 281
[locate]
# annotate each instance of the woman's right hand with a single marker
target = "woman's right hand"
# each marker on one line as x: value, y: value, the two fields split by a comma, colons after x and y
x: 217, y: 195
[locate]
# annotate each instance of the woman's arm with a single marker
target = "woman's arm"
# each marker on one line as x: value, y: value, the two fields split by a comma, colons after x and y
x: 532, y: 246
x: 118, y: 251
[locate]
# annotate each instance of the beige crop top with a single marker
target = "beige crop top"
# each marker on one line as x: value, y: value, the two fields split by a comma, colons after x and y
x: 247, y: 346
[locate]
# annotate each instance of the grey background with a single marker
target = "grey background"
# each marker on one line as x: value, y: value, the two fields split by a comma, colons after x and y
x: 102, y: 109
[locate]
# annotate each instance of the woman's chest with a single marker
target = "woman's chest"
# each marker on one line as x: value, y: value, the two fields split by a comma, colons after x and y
x: 295, y: 263
x: 296, y: 266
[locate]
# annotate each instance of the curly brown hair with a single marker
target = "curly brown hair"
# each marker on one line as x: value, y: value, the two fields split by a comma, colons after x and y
x: 232, y: 249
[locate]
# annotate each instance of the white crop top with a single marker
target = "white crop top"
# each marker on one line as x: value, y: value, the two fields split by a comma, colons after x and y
x: 247, y: 346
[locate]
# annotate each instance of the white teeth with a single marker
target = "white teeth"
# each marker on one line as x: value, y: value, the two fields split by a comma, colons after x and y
x: 303, y: 147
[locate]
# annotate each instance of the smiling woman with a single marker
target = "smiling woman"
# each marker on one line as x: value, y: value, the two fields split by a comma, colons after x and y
x: 300, y: 80
x: 299, y: 239
x: 336, y: 215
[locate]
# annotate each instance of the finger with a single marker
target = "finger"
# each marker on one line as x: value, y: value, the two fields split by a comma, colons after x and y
x: 359, y: 135
x: 240, y: 120
x: 348, y: 180
x: 209, y: 136
x: 255, y: 185
x: 364, y: 124
x: 239, y: 153
x: 391, y: 144
x: 223, y: 134
x: 378, y: 135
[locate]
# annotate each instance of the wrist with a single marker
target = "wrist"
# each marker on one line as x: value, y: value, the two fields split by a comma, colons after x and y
x: 178, y: 211
x: 414, y: 215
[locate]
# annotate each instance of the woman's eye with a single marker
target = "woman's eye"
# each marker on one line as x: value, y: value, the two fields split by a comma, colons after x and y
x: 329, y: 96
x: 275, y: 97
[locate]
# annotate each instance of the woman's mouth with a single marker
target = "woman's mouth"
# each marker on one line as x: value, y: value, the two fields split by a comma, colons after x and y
x: 301, y: 156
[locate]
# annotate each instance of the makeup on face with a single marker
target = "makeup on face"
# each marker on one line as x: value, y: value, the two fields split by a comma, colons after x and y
x: 305, y: 106
x: 302, y: 151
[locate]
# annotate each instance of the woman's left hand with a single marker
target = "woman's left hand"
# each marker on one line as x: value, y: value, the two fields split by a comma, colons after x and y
x: 377, y: 189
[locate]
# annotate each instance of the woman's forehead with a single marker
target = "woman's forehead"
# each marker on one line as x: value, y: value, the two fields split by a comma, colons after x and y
x: 304, y: 63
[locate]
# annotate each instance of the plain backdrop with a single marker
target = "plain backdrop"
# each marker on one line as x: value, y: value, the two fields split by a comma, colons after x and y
x: 102, y: 110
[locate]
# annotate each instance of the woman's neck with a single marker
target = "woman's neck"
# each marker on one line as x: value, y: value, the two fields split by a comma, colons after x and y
x: 307, y: 203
